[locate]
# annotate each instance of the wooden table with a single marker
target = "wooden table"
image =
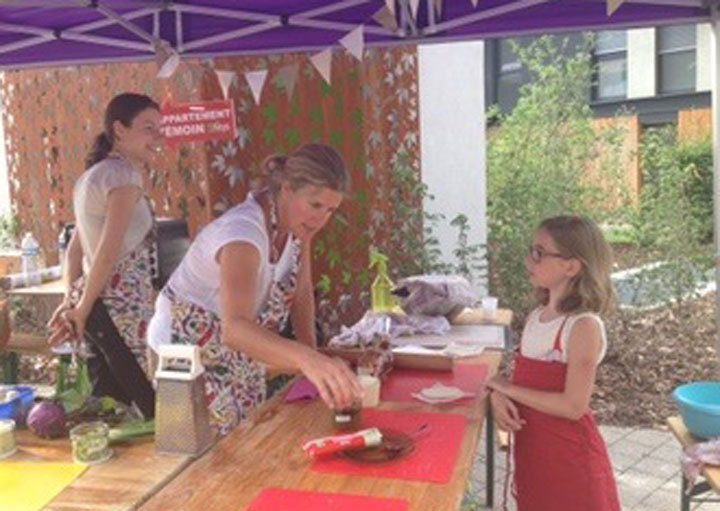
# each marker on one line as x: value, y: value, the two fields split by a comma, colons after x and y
x: 710, y: 473
x: 128, y: 479
x: 265, y: 454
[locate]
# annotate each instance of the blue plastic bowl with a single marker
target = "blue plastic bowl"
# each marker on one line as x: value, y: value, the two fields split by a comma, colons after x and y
x: 699, y: 404
x: 18, y: 408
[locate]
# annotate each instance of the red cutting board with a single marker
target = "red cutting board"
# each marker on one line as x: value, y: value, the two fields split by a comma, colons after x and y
x: 433, y: 459
x: 400, y: 384
x: 277, y: 499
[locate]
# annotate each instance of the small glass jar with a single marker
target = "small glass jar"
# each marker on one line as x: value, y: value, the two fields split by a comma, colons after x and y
x: 7, y: 438
x: 90, y: 443
x: 348, y: 419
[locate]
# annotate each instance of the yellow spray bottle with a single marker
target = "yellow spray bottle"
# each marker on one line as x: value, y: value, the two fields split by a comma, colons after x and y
x: 382, y: 299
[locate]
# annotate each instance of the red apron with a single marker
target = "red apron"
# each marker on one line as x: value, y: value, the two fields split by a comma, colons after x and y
x: 560, y: 464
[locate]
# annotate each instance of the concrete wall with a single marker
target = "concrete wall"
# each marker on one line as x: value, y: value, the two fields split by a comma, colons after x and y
x: 452, y: 134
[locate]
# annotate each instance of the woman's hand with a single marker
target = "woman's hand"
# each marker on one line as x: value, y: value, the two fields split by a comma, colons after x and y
x: 505, y: 412
x: 56, y: 318
x: 336, y: 383
x: 68, y: 325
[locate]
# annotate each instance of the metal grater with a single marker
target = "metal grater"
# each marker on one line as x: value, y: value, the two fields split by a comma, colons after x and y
x: 182, y: 423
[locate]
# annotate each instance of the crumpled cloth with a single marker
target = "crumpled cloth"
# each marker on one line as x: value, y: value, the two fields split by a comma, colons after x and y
x: 696, y: 456
x: 373, y: 325
x: 434, y: 295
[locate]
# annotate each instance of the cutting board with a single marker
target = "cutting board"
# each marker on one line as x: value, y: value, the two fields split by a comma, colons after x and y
x: 30, y: 486
x: 433, y: 459
x: 278, y: 499
x: 400, y: 384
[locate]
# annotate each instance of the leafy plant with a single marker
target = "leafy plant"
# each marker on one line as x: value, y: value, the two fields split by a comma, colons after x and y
x: 9, y: 231
x: 546, y: 158
x: 673, y: 218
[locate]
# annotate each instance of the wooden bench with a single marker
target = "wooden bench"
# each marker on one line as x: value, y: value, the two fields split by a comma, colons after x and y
x: 701, y: 490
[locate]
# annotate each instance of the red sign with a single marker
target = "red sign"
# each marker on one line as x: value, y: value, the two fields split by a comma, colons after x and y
x: 201, y: 121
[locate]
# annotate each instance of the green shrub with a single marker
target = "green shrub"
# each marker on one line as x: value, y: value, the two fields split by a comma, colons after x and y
x: 539, y: 161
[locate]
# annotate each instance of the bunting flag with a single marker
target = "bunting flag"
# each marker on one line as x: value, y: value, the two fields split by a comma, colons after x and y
x: 475, y: 2
x: 414, y: 4
x: 386, y: 18
x: 256, y: 81
x: 225, y: 78
x: 322, y: 62
x: 167, y: 59
x: 438, y: 6
x: 354, y: 42
x: 613, y: 5
x: 288, y: 77
x: 390, y: 4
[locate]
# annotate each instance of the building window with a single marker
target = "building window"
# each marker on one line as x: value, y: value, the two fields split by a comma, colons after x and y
x: 676, y: 59
x: 510, y: 76
x: 611, y: 65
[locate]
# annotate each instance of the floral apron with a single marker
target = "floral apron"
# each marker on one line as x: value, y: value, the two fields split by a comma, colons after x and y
x: 129, y: 294
x: 234, y: 383
x: 560, y: 464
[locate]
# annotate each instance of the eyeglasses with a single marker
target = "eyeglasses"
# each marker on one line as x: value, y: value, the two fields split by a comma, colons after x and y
x: 537, y: 255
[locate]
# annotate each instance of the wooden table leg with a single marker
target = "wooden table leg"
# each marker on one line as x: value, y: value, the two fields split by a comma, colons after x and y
x: 490, y: 461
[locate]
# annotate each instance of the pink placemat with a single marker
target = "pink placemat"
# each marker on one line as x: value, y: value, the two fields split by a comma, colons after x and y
x: 302, y: 389
x: 278, y: 499
x: 401, y: 383
x: 433, y: 459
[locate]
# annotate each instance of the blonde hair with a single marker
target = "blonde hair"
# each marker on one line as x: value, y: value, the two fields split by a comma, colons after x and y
x: 311, y: 164
x: 591, y: 289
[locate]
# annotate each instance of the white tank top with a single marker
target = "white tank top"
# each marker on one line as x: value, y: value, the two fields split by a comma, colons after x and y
x: 538, y: 337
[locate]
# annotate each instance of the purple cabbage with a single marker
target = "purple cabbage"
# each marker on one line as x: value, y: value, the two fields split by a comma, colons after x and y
x: 47, y: 419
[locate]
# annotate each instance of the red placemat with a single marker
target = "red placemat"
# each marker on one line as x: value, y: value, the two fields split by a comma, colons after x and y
x: 401, y: 383
x: 433, y: 459
x: 272, y: 499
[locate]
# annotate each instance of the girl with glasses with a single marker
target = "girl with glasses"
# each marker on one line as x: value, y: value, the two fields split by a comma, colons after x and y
x: 560, y: 459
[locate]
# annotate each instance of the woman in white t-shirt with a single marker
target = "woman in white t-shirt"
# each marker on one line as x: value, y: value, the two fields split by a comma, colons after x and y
x: 111, y: 255
x: 244, y: 275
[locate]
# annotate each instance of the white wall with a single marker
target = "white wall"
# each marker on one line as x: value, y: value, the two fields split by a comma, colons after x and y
x: 452, y: 134
x: 641, y: 66
x: 703, y: 58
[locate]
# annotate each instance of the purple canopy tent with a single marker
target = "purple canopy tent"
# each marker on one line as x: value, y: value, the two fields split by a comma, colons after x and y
x: 59, y: 32
x: 42, y: 33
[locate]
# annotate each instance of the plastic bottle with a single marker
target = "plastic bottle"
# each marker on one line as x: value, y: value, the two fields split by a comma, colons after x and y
x: 30, y: 260
x: 62, y: 249
x: 382, y: 299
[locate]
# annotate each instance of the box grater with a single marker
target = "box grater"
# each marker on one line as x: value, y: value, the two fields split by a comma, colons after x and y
x: 182, y: 423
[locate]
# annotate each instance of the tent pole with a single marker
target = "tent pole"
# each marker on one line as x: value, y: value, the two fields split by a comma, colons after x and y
x: 715, y: 66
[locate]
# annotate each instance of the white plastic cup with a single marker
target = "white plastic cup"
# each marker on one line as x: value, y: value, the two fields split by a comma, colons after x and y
x: 371, y: 390
x: 489, y: 307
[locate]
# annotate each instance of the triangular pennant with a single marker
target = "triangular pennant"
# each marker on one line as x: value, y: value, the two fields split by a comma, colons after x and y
x: 438, y: 6
x: 386, y: 18
x: 390, y: 4
x: 288, y: 76
x: 613, y: 5
x: 475, y: 2
x: 256, y: 80
x: 166, y: 58
x: 225, y: 78
x: 414, y: 4
x: 354, y: 42
x: 322, y: 62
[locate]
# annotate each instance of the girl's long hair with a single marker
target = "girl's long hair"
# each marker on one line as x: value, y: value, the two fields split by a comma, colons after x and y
x: 591, y: 289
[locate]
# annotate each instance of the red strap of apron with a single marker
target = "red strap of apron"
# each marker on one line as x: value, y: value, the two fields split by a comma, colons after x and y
x: 557, y: 345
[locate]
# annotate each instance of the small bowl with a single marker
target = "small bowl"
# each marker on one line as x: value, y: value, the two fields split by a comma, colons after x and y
x: 699, y: 404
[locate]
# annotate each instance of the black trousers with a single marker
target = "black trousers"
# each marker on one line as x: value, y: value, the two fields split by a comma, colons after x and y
x: 114, y: 370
